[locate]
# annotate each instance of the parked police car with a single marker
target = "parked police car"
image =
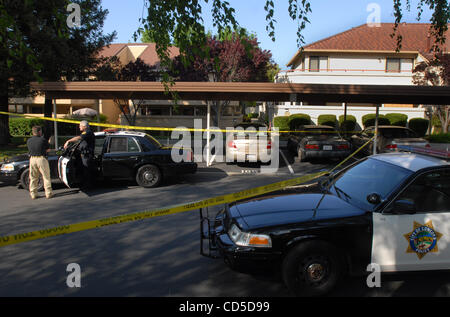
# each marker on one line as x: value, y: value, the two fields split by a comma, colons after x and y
x: 126, y: 155
x: 389, y: 209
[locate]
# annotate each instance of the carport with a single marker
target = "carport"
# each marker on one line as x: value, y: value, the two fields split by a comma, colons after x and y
x: 243, y: 91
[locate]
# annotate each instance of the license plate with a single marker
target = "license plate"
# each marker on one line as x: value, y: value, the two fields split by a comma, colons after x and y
x: 328, y: 147
x: 251, y: 157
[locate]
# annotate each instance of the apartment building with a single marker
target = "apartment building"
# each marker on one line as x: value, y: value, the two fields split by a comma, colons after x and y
x: 364, y: 55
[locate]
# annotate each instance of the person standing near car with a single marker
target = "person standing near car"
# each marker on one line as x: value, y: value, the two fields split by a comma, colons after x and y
x: 38, y: 148
x: 87, y: 147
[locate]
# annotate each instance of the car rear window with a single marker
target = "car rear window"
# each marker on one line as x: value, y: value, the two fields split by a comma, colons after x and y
x: 319, y: 131
x: 398, y: 133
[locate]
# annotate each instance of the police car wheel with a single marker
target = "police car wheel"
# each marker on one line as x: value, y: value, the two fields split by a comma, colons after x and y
x: 148, y: 176
x: 25, y: 181
x: 312, y: 268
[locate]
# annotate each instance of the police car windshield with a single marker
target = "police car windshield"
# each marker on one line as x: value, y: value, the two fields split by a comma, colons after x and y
x: 368, y: 177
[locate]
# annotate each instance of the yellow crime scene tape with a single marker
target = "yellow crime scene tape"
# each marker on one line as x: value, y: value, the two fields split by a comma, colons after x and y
x: 130, y: 127
x: 224, y: 199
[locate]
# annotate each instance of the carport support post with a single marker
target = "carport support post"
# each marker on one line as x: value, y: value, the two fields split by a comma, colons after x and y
x: 208, y: 134
x: 376, y: 130
x: 55, y: 124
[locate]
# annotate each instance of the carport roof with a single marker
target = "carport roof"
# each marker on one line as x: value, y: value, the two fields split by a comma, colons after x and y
x: 244, y: 91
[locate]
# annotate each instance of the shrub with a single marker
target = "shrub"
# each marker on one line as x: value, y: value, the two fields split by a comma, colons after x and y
x: 327, y: 119
x: 419, y: 125
x: 398, y: 119
x: 349, y: 124
x: 297, y: 120
x: 368, y: 120
x: 23, y: 126
x: 439, y: 138
x: 282, y: 123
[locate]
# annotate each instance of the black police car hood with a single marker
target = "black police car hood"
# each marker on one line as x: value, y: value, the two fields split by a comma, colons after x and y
x: 288, y: 209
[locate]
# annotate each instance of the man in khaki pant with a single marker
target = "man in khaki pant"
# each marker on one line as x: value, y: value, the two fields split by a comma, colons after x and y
x: 38, y: 148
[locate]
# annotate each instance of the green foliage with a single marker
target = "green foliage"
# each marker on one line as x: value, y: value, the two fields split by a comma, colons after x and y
x: 368, y: 120
x: 419, y: 125
x: 349, y: 124
x: 327, y: 119
x: 282, y: 123
x: 297, y: 120
x: 23, y: 126
x: 397, y: 119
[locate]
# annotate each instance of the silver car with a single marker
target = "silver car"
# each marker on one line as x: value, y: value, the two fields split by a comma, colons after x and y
x: 251, y: 144
x: 389, y: 138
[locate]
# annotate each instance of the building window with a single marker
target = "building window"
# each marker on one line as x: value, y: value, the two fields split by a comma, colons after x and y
x: 314, y: 64
x: 393, y: 65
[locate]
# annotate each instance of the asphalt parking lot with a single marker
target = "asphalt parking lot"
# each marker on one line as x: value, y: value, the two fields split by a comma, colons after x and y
x: 154, y: 257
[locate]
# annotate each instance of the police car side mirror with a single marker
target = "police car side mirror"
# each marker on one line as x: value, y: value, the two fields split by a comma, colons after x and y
x: 374, y: 198
x: 404, y: 206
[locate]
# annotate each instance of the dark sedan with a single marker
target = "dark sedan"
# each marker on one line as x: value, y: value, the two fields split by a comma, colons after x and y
x: 317, y: 142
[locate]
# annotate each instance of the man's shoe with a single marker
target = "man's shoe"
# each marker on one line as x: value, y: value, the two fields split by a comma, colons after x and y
x: 33, y: 197
x: 50, y: 196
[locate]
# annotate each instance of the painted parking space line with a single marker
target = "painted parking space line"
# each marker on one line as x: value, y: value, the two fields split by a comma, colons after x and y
x: 291, y: 170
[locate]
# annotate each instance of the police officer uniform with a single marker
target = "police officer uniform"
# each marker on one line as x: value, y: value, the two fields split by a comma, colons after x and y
x: 37, y: 147
x: 87, y: 147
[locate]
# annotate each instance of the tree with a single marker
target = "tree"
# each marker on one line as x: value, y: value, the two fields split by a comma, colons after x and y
x: 232, y: 57
x: 180, y: 22
x: 112, y: 70
x: 435, y: 73
x: 38, y: 44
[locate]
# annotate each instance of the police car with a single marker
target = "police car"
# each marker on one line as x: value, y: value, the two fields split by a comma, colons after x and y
x: 126, y: 155
x: 389, y: 209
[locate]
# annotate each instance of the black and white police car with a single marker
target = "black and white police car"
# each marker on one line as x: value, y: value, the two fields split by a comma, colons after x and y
x: 389, y: 209
x: 126, y: 155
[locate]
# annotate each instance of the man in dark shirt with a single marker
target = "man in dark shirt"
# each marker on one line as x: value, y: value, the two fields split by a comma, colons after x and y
x: 38, y: 148
x: 87, y: 147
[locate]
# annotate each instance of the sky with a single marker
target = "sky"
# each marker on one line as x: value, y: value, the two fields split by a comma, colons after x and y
x: 328, y: 17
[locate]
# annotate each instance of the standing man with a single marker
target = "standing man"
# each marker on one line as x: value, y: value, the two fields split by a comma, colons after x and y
x: 38, y: 148
x: 87, y: 147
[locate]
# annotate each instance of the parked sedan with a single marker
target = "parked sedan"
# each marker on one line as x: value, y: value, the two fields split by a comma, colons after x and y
x: 253, y: 144
x: 389, y: 138
x: 314, y: 142
x: 129, y: 156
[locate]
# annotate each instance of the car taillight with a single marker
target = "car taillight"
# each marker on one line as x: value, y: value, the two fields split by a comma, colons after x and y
x: 232, y: 144
x: 428, y: 145
x: 391, y: 146
x: 311, y: 147
x: 343, y: 147
x: 189, y: 156
x: 269, y: 145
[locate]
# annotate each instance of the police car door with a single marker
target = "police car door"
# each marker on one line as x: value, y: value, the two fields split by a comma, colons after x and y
x: 413, y: 232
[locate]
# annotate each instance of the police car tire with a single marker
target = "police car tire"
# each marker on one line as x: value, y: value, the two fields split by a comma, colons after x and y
x: 155, y: 172
x: 25, y: 181
x: 305, y: 256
